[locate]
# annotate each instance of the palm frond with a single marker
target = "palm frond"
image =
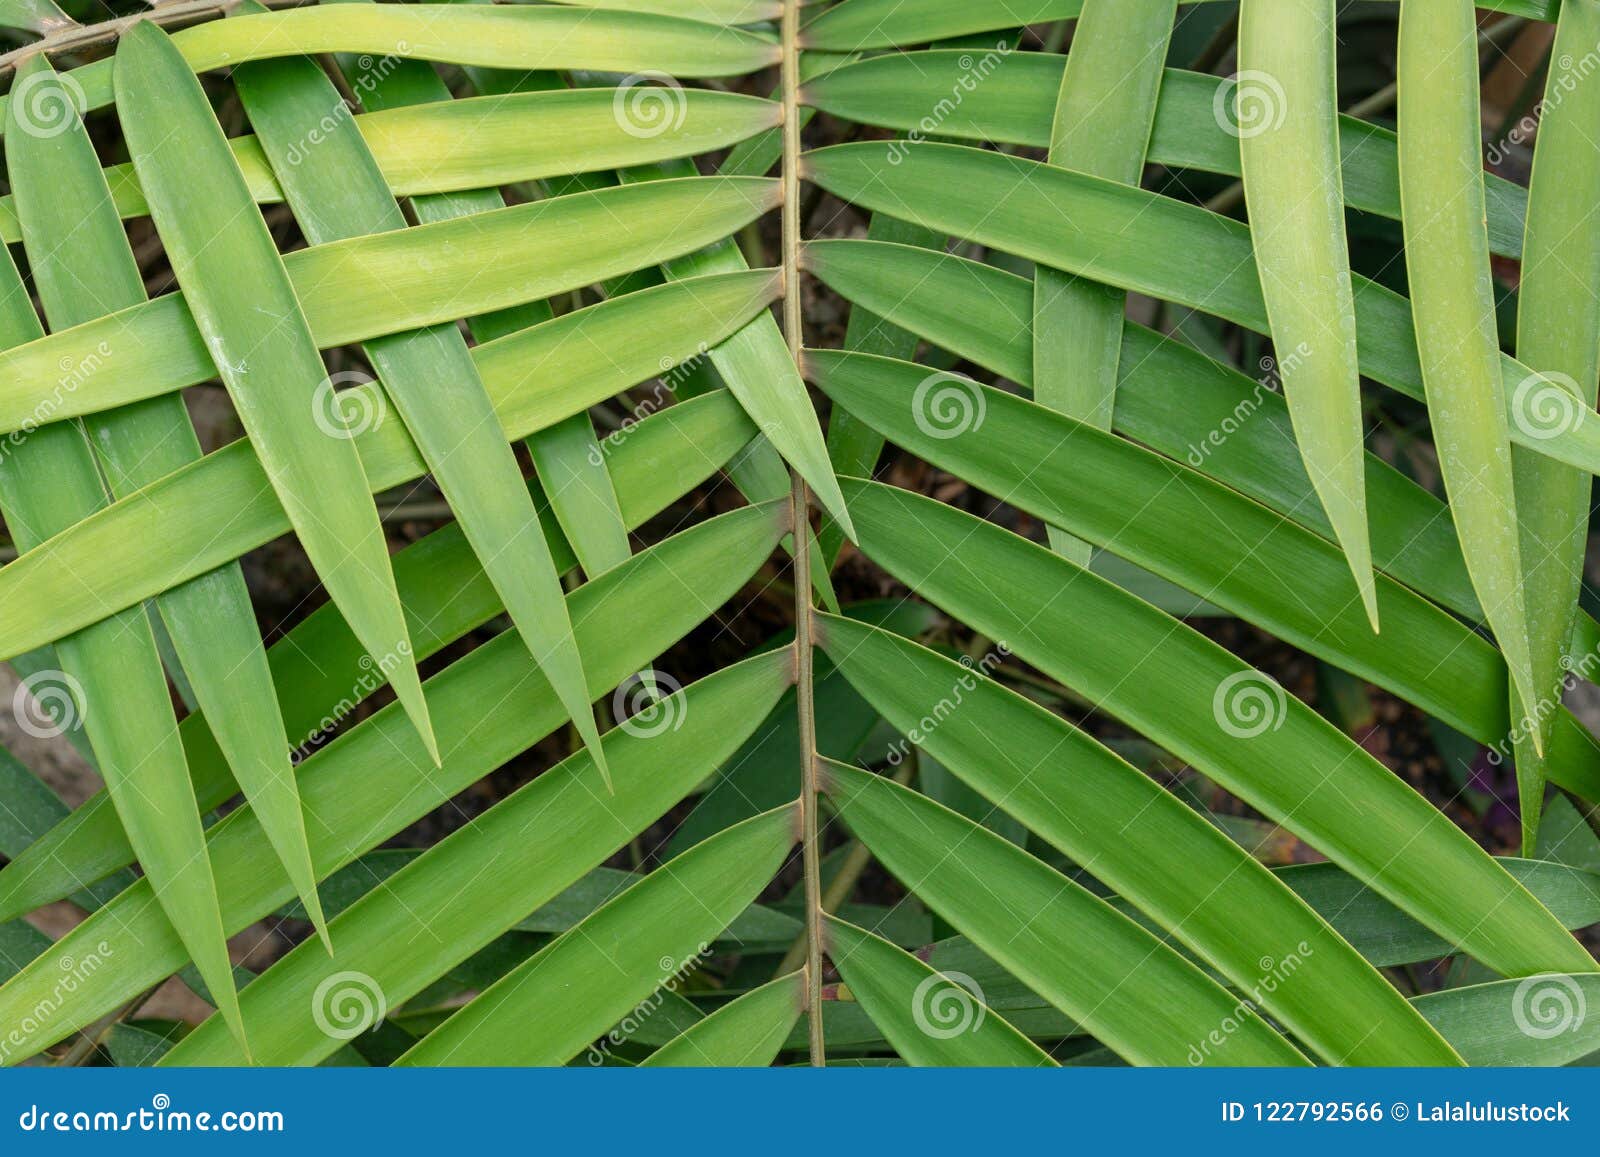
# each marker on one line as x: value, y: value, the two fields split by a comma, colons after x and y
x: 1089, y: 383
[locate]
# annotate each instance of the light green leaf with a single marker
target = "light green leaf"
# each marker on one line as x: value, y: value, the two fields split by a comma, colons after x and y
x: 68, y: 227
x: 390, y: 283
x: 755, y: 364
x: 745, y: 1033
x: 252, y: 324
x: 488, y: 37
x: 112, y: 682
x: 1447, y: 265
x: 466, y: 145
x: 567, y: 457
x: 41, y: 16
x: 1290, y: 153
x: 223, y: 506
x: 429, y: 375
x: 532, y: 845
x: 318, y: 665
x: 1558, y: 333
x: 855, y: 25
x: 715, y: 11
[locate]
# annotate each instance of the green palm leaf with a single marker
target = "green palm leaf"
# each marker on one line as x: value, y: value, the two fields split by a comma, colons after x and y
x: 337, y: 193
x: 117, y: 689
x: 445, y: 594
x: 462, y: 146
x: 528, y: 38
x: 1102, y: 126
x: 567, y: 456
x: 1536, y: 1021
x: 1292, y: 185
x: 1298, y: 586
x: 854, y: 25
x: 63, y: 208
x: 1015, y: 104
x: 1293, y: 766
x: 1558, y: 332
x: 535, y: 844
x: 1447, y: 264
x: 645, y: 939
x: 1064, y: 942
x: 1125, y: 237
x: 929, y: 1018
x: 1139, y: 840
x: 527, y: 376
x: 1002, y: 804
x: 747, y: 1032
x: 41, y: 16
x: 253, y: 327
x: 376, y: 781
x: 716, y: 11
x: 348, y: 289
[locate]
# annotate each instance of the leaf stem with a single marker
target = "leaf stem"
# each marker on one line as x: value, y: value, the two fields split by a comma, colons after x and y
x: 839, y: 889
x: 805, y: 698
x: 805, y: 703
x: 792, y: 303
x: 84, y: 37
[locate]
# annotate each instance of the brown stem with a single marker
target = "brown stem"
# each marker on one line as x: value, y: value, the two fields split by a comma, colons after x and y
x: 856, y: 861
x: 89, y: 1040
x: 84, y: 37
x: 805, y: 697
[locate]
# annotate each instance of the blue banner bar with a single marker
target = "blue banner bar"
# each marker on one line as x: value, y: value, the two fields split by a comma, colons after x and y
x: 781, y: 1111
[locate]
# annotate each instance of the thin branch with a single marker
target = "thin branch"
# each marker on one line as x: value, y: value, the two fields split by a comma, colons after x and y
x: 792, y: 300
x: 806, y: 708
x: 1218, y: 46
x: 90, y: 1039
x: 85, y: 37
x: 856, y: 861
x: 805, y: 695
